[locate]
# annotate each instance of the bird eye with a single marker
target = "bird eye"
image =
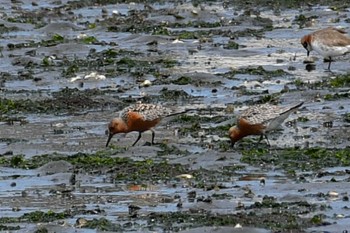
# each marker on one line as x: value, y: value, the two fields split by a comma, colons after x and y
x: 305, y: 45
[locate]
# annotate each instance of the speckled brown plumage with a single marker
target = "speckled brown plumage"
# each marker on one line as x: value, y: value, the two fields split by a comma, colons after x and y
x: 140, y: 118
x: 260, y: 119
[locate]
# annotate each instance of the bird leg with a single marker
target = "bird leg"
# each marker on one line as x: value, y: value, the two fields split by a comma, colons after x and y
x: 262, y: 137
x: 138, y: 138
x: 268, y: 142
x: 329, y: 64
x: 153, y: 135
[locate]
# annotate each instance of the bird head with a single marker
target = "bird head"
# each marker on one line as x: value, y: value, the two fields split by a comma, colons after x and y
x: 114, y: 127
x: 234, y: 134
x: 306, y: 42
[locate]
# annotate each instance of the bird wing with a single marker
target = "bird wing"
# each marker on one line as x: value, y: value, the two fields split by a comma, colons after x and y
x: 269, y: 115
x: 146, y: 112
x: 330, y: 40
x: 260, y: 114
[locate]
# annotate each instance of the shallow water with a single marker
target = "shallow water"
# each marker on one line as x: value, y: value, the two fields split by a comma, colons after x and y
x: 69, y: 129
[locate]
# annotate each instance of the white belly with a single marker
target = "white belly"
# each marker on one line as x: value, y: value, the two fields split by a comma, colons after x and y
x: 330, y: 51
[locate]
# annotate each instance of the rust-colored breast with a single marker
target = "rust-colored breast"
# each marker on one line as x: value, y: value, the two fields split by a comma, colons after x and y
x: 250, y: 129
x: 136, y: 122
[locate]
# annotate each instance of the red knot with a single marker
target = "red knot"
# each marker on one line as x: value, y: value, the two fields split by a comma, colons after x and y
x: 259, y: 120
x: 140, y: 118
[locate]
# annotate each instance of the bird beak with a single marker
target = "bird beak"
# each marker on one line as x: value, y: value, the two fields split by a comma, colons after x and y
x: 308, y: 53
x: 110, y: 135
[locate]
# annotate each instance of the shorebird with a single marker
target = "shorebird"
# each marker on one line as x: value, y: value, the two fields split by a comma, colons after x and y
x: 139, y: 117
x: 259, y: 120
x: 329, y: 42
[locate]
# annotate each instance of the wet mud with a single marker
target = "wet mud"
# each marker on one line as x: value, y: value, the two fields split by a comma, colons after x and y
x: 68, y: 67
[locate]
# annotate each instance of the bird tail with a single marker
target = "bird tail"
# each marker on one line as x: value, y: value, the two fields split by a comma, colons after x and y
x: 296, y: 106
x: 181, y: 112
x: 292, y: 108
x: 341, y: 30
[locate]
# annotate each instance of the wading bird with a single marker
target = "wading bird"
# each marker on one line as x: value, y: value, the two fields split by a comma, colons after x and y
x: 329, y: 42
x: 259, y: 120
x: 140, y: 118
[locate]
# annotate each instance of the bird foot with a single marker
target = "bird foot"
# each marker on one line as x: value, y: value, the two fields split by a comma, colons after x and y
x: 329, y: 71
x: 150, y: 144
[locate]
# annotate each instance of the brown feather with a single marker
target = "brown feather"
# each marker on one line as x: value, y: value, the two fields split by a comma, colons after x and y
x: 332, y: 37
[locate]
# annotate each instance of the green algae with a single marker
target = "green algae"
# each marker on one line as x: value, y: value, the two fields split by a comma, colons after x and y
x: 89, y: 40
x: 183, y: 80
x: 261, y: 71
x: 37, y: 216
x: 336, y: 96
x: 114, y: 53
x: 160, y: 31
x: 278, y: 222
x: 17, y: 161
x: 125, y: 169
x: 46, y: 61
x: 167, y: 62
x: 347, y: 117
x: 6, y: 29
x: 9, y: 228
x: 121, y: 168
x: 340, y: 81
x: 232, y: 45
x: 141, y: 170
x: 222, y: 196
x: 224, y: 146
x: 230, y: 171
x: 41, y: 229
x: 87, y: 161
x: 256, y: 70
x: 271, y: 202
x: 191, y: 35
x: 7, y: 105
x: 191, y: 124
x: 301, y: 19
x: 71, y: 70
x: 127, y: 61
x: 298, y: 159
x: 192, y: 129
x: 317, y: 219
x: 67, y: 99
x: 103, y: 224
x: 21, y: 20
x: 100, y: 159
x: 303, y: 119
x: 213, y: 28
x: 299, y: 82
x: 268, y: 98
x: 152, y: 171
x: 57, y: 38
x: 199, y: 119
x: 169, y: 150
x: 173, y: 94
